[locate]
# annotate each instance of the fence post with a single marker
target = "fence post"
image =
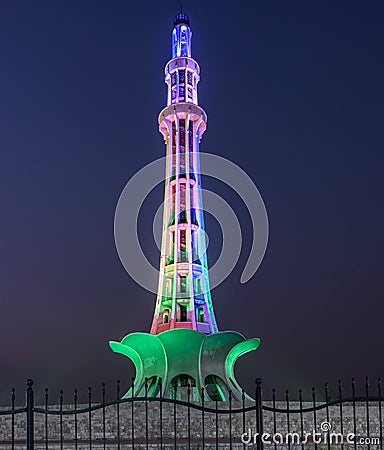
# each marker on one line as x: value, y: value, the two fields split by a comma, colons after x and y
x: 259, y: 414
x: 30, y: 406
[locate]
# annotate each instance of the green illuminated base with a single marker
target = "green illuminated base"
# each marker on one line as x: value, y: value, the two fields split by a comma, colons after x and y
x: 180, y: 357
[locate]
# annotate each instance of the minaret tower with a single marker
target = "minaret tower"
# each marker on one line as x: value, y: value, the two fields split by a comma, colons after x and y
x: 184, y: 356
x: 183, y: 298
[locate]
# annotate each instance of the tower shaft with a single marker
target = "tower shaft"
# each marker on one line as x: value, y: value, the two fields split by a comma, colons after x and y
x: 183, y: 298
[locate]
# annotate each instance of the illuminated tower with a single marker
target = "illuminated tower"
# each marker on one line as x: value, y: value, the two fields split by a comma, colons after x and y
x: 184, y: 352
x: 184, y: 298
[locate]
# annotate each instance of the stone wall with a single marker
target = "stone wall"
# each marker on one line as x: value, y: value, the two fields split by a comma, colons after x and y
x: 228, y: 427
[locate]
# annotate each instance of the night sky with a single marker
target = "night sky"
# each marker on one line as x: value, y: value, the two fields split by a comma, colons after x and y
x: 294, y: 95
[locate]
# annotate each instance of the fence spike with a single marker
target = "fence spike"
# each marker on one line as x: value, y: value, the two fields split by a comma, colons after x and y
x: 301, y: 416
x: 340, y: 389
x: 314, y: 397
x: 118, y: 389
x: 380, y: 411
x: 288, y: 418
x: 103, y: 392
x: 13, y: 416
x: 367, y: 407
x: 132, y: 385
x: 30, y: 414
x: 326, y: 391
x: 146, y: 387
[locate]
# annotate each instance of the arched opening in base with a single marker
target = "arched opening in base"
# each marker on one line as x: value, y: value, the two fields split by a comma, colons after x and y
x: 183, y: 387
x: 216, y: 388
x: 153, y: 387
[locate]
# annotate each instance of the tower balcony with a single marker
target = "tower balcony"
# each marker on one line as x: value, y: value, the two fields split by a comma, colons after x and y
x: 167, y: 326
x: 183, y: 269
x: 180, y: 111
x: 184, y: 62
x: 183, y: 325
x: 172, y: 226
x: 183, y: 220
x: 183, y: 177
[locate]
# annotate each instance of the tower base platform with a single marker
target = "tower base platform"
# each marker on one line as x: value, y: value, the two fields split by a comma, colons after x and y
x: 185, y: 364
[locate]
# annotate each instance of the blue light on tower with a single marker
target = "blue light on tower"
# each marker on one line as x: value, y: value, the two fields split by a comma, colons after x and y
x: 181, y: 36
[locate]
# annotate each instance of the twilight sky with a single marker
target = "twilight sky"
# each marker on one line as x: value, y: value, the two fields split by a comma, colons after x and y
x: 294, y: 95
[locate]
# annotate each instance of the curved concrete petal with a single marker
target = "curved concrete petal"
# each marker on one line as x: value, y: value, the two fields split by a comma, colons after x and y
x: 148, y: 356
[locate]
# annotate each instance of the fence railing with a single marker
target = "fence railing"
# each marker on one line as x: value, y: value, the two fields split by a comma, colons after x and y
x: 347, y: 421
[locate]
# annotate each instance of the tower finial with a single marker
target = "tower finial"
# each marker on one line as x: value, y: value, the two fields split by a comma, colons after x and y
x: 181, y: 7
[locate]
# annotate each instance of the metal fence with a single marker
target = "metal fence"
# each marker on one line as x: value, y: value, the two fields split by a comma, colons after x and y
x: 348, y: 421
